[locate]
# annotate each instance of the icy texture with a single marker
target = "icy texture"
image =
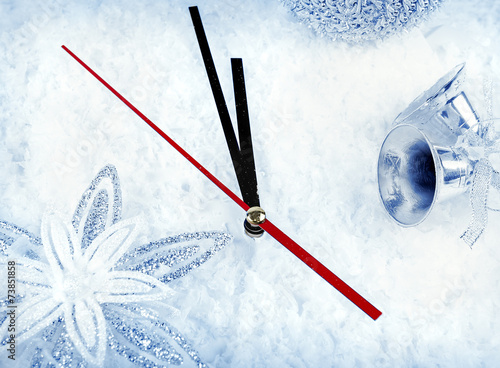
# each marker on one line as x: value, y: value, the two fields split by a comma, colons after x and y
x: 319, y: 111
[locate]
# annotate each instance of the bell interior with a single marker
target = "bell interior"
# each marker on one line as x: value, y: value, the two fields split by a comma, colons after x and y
x: 407, y: 175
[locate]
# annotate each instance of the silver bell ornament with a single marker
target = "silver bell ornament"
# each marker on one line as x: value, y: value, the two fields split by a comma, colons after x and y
x: 438, y: 148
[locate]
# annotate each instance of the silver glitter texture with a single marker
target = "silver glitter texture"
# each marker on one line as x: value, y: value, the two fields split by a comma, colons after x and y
x: 142, y: 320
x: 9, y: 233
x: 100, y: 214
x: 150, y: 257
x: 143, y: 337
x: 37, y: 359
x: 357, y: 21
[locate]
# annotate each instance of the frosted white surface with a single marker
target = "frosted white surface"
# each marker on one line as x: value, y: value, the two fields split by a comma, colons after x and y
x: 319, y: 111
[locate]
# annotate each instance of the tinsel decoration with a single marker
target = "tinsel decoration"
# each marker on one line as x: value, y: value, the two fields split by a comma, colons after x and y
x: 357, y: 21
x: 481, y: 144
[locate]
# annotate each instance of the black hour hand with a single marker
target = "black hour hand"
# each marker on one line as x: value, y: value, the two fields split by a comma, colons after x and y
x: 241, y: 154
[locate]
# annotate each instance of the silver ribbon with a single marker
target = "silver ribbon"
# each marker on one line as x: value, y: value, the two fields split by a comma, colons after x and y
x: 478, y: 200
x: 479, y: 143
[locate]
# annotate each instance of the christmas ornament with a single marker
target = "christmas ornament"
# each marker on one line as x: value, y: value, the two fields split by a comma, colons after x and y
x: 360, y: 20
x: 438, y: 148
x: 87, y: 292
x: 265, y: 224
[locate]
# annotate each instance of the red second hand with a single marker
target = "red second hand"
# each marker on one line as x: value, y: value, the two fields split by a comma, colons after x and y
x: 268, y: 226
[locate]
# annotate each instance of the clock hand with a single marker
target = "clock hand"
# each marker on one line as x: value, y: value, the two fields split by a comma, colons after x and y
x: 246, y: 173
x: 242, y: 155
x: 270, y: 228
x: 246, y: 162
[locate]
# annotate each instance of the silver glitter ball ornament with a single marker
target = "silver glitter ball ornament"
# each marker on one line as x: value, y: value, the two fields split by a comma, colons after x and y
x: 357, y: 21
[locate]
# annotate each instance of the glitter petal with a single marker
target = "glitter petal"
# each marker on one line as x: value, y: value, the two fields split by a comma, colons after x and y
x: 60, y: 243
x: 110, y: 245
x: 9, y: 233
x: 95, y: 211
x: 128, y: 287
x: 32, y: 316
x: 167, y: 262
x: 83, y: 318
x: 33, y: 276
x: 146, y: 340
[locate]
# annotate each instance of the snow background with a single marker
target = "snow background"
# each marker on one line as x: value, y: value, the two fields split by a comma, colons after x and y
x: 319, y: 110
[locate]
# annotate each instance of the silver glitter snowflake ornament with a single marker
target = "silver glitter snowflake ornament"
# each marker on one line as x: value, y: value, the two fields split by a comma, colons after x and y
x: 87, y: 294
x: 357, y: 21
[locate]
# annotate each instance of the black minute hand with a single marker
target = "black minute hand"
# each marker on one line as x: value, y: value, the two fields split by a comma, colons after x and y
x: 242, y: 154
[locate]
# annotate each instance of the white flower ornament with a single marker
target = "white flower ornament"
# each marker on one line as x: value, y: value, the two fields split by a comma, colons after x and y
x: 88, y: 288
